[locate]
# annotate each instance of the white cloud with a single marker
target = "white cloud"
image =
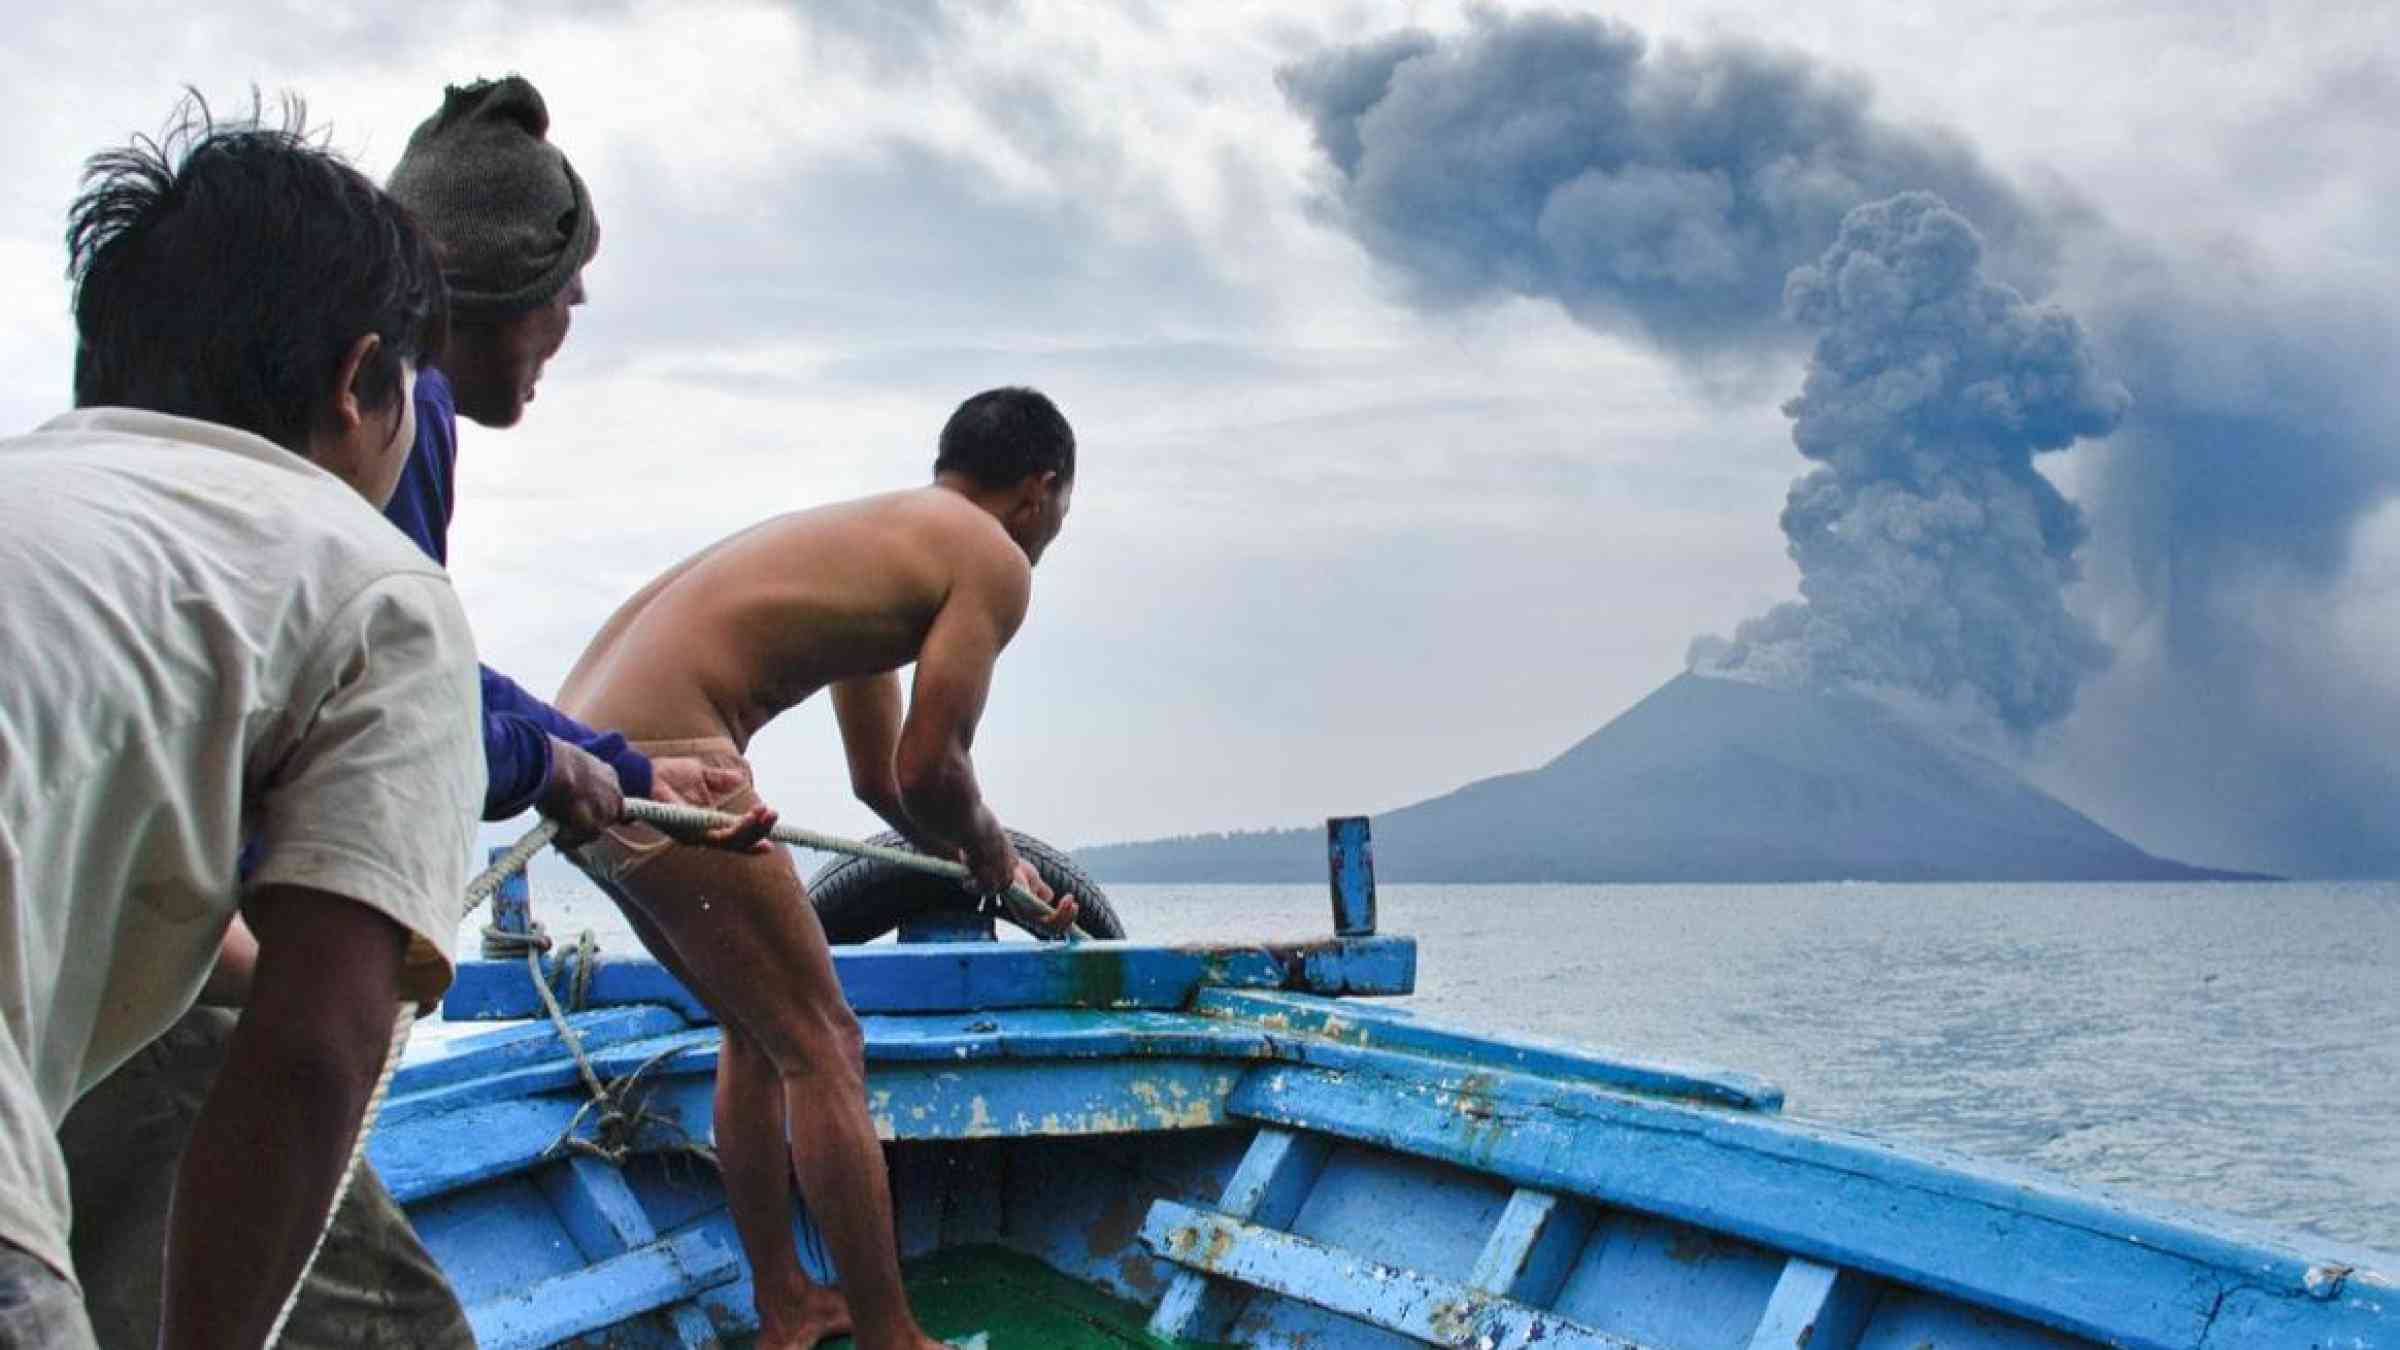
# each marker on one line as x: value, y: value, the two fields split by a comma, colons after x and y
x: 1328, y: 554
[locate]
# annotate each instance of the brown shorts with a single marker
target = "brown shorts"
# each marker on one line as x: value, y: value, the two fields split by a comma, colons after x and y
x: 373, y: 1287
x: 622, y: 850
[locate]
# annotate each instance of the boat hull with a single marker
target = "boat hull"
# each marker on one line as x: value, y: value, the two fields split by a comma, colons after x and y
x: 1222, y: 1145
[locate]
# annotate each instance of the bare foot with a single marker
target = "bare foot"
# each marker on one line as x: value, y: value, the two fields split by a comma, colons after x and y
x: 820, y: 1315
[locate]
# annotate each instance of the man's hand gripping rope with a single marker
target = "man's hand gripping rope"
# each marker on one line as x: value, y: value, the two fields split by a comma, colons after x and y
x: 694, y: 825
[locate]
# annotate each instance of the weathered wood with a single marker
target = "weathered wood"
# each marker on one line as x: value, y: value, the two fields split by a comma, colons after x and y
x: 1276, y: 1174
x: 1273, y: 1180
x: 1815, y: 1307
x: 2017, y: 1242
x: 1532, y: 1247
x: 418, y: 1159
x: 490, y: 1052
x: 422, y: 1153
x: 1431, y: 1309
x: 1350, y: 865
x: 1374, y: 1027
x: 1048, y: 1099
x: 1663, y: 1146
x: 684, y: 1051
x: 1040, y: 1033
x: 603, y: 1294
x: 596, y: 1207
x: 975, y: 976
x: 950, y: 1039
x: 2343, y: 1306
x: 605, y: 1219
x: 512, y: 909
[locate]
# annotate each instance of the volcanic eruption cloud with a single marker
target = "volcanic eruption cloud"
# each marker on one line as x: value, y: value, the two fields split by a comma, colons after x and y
x: 1933, y: 558
x: 1725, y: 203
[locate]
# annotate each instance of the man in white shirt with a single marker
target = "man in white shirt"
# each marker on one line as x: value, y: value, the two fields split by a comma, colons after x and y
x: 211, y: 635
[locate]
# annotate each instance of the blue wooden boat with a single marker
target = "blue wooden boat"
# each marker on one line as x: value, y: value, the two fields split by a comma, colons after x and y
x: 1112, y: 1144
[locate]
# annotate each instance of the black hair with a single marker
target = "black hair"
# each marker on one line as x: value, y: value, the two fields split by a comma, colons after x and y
x: 223, y: 272
x: 1001, y: 436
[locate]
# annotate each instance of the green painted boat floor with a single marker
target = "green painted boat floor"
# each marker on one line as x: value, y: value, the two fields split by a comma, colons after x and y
x: 1019, y: 1303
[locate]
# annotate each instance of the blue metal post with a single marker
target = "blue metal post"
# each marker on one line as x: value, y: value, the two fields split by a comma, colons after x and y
x: 1350, y: 854
x: 512, y: 911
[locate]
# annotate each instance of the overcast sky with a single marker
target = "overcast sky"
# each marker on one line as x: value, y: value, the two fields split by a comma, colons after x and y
x: 1334, y: 548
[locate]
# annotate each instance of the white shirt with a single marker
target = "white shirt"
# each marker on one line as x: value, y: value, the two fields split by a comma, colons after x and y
x: 202, y: 635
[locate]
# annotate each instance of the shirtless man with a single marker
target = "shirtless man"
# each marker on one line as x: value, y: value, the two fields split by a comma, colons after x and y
x: 695, y: 664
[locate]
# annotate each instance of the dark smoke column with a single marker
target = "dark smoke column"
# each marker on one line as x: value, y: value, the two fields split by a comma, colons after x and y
x: 1933, y: 555
x: 1686, y: 195
x: 1663, y: 192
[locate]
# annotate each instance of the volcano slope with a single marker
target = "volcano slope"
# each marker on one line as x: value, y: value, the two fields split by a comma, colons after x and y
x: 1708, y: 780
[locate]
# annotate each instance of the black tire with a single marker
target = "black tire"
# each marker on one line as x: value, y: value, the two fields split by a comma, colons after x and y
x: 861, y: 899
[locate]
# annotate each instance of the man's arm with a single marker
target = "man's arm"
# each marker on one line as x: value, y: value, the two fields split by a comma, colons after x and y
x: 365, y: 792
x: 935, y: 764
x: 271, y: 1143
x: 867, y: 710
x: 521, y: 736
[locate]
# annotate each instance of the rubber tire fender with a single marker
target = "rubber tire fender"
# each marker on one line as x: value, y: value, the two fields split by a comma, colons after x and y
x: 861, y: 899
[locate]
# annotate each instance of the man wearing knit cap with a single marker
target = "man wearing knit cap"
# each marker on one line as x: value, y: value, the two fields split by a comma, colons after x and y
x: 515, y: 226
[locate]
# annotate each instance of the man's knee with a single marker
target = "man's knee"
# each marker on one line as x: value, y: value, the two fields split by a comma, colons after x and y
x: 816, y: 1040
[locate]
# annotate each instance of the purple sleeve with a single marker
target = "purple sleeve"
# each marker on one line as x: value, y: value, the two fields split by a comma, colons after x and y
x: 420, y: 506
x: 517, y: 728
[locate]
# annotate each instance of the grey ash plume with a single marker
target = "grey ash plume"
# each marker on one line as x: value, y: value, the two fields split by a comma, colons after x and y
x: 1933, y: 556
x: 1666, y: 194
x: 1696, y: 198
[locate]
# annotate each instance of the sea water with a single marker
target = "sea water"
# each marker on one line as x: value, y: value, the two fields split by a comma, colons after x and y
x: 2233, y: 1046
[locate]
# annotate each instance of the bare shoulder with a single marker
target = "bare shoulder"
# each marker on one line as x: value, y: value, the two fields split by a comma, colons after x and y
x: 963, y: 534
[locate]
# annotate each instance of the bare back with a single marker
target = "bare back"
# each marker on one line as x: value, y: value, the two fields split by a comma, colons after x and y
x: 730, y: 637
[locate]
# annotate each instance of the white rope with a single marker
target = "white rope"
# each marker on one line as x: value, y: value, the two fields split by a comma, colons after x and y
x: 487, y: 882
x: 1024, y: 907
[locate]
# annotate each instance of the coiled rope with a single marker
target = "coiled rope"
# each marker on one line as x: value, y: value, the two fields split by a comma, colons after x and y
x: 1022, y: 907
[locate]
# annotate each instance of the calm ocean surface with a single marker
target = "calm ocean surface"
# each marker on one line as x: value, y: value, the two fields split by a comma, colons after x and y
x: 2232, y: 1046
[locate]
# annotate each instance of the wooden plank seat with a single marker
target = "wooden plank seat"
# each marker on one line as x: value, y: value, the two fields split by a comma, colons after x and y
x: 1425, y: 1307
x: 1235, y: 1250
x: 648, y: 1278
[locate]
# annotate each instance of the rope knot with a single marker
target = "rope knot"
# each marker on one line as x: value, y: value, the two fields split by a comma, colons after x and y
x: 499, y: 942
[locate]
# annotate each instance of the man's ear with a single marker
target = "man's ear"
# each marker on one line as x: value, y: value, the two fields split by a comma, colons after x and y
x: 349, y: 410
x: 1025, y: 504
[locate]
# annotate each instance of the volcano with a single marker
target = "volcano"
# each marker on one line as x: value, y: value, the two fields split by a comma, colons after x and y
x: 1708, y: 780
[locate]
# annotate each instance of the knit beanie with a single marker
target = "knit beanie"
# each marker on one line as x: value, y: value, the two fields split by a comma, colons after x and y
x: 512, y: 220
